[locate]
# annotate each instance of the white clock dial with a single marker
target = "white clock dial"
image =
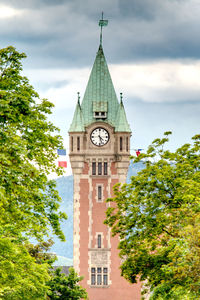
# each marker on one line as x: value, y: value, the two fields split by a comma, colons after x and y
x: 99, y: 136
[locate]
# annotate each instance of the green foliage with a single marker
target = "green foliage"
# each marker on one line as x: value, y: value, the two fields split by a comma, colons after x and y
x: 29, y: 202
x: 157, y: 217
x: 41, y: 253
x: 66, y: 287
x: 21, y: 278
x: 28, y: 146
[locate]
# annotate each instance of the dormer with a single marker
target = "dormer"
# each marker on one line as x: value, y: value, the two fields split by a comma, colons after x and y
x: 100, y: 109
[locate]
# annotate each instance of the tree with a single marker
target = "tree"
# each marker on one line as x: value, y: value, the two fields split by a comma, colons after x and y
x: 41, y: 252
x: 28, y: 146
x: 59, y: 286
x: 21, y: 278
x: 29, y: 202
x: 66, y: 287
x: 157, y: 217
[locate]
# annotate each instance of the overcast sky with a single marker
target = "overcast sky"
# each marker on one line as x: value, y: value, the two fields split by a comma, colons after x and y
x: 152, y: 49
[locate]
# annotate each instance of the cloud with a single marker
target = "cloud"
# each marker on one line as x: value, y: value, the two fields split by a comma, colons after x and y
x: 61, y: 34
x: 158, y: 97
x: 60, y: 86
x: 8, y: 12
x: 151, y: 46
x: 150, y: 120
x: 166, y: 81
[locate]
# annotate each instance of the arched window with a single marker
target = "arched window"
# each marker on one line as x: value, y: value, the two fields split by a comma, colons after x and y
x: 99, y: 196
x: 99, y: 241
x: 105, y: 168
x: 99, y: 168
x: 120, y: 143
x: 72, y: 146
x: 78, y: 143
x: 94, y: 168
x: 127, y: 144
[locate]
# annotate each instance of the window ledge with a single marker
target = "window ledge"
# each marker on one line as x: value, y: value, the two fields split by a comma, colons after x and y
x: 99, y: 249
x: 99, y: 286
x: 99, y: 176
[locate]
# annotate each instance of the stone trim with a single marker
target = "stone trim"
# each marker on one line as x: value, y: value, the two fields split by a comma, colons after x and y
x: 102, y: 193
x: 102, y: 239
x: 76, y: 225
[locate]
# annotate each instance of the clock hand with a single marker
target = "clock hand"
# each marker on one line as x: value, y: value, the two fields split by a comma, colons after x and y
x: 101, y: 139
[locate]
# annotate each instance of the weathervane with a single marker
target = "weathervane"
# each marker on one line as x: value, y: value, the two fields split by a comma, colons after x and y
x: 102, y: 23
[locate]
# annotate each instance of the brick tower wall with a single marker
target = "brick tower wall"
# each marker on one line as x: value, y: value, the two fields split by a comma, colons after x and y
x: 89, y: 215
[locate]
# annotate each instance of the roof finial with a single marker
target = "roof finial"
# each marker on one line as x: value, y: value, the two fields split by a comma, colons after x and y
x: 102, y: 23
x: 121, y: 97
x: 78, y: 97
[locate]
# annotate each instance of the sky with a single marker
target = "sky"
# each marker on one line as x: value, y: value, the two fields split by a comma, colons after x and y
x: 152, y: 48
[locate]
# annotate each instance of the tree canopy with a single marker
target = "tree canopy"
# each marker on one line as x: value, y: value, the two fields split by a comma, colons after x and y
x: 66, y: 287
x: 29, y: 202
x: 157, y: 217
x: 28, y: 143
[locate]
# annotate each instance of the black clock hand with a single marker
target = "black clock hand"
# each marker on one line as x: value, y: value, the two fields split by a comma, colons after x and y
x: 101, y: 139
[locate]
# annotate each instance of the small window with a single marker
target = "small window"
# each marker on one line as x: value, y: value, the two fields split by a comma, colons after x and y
x: 72, y: 144
x: 105, y: 270
x: 99, y: 278
x: 93, y: 168
x: 99, y: 168
x: 100, y: 115
x: 99, y: 241
x: 93, y: 276
x: 120, y: 143
x: 105, y: 168
x: 78, y: 143
x: 105, y: 276
x: 127, y: 144
x: 105, y: 279
x: 99, y: 192
x: 99, y: 281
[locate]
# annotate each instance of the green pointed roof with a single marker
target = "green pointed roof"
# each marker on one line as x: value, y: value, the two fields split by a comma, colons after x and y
x: 100, y: 89
x: 77, y: 124
x: 122, y: 123
x: 100, y: 97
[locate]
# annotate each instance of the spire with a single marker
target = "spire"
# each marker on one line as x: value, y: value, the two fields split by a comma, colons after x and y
x: 77, y: 124
x: 100, y: 102
x: 121, y: 120
x: 100, y: 91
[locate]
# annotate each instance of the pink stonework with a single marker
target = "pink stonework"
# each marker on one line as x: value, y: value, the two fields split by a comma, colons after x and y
x: 84, y: 223
x: 91, y: 217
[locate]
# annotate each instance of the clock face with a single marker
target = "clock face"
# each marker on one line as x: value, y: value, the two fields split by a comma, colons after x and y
x: 99, y: 136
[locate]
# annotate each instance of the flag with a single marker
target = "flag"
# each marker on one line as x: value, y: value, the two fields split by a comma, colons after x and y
x: 138, y: 151
x: 61, y: 161
x: 62, y: 164
x: 103, y: 22
x: 61, y: 151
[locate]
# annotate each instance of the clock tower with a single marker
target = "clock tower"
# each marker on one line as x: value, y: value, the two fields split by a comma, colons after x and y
x: 99, y: 138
